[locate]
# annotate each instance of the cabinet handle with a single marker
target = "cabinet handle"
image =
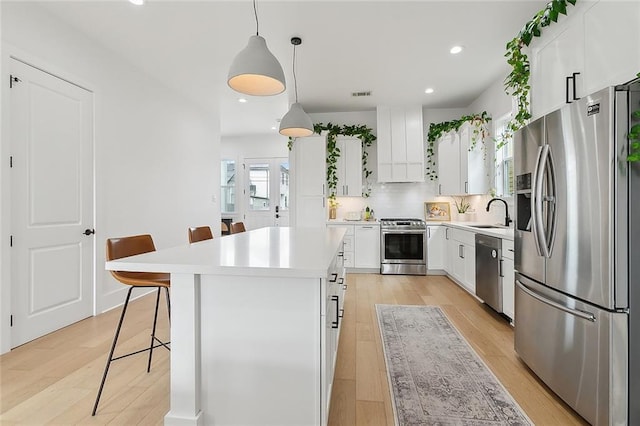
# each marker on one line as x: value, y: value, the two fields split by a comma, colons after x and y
x: 574, y: 86
x: 334, y: 279
x: 461, y: 251
x: 334, y: 324
x: 366, y: 227
x: 341, y: 281
x: 446, y: 233
x: 466, y: 187
x: 341, y: 313
x: 439, y: 189
x: 323, y: 189
x: 428, y: 232
x: 566, y: 90
x: 347, y: 191
x: 341, y: 254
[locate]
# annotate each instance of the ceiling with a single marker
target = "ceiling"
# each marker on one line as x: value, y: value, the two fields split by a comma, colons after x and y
x: 395, y: 49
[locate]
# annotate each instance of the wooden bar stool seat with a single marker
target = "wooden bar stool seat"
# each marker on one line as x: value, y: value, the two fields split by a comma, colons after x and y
x: 118, y: 248
x: 200, y: 233
x: 237, y: 227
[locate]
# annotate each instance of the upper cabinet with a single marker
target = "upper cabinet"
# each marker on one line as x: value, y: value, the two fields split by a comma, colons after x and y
x: 400, y: 144
x: 349, y: 167
x: 462, y: 167
x: 594, y: 47
x: 308, y: 181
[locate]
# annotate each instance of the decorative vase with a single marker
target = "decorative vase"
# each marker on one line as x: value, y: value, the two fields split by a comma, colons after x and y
x: 332, y: 212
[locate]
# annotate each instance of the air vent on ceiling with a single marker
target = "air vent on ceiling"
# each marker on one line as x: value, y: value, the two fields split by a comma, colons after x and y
x: 359, y: 94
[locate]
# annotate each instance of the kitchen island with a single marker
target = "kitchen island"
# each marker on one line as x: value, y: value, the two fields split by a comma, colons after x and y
x: 254, y: 325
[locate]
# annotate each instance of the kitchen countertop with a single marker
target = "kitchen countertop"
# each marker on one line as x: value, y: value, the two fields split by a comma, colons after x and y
x: 503, y: 233
x: 272, y: 252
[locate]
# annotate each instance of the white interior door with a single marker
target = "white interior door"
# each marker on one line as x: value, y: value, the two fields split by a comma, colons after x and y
x: 266, y: 192
x: 51, y: 202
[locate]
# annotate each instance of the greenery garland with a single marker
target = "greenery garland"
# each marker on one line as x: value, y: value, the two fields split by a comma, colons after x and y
x: 362, y: 132
x: 517, y: 82
x: 436, y: 130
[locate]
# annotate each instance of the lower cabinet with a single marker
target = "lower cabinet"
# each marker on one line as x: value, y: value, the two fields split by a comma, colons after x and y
x: 361, y: 245
x: 367, y: 253
x: 461, y: 257
x: 436, y: 248
x: 508, y: 280
x: 333, y: 311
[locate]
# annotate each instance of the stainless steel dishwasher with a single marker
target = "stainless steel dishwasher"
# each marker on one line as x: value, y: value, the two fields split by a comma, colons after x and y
x: 488, y: 273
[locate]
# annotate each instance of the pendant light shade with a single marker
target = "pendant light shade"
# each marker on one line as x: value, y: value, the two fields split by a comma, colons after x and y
x: 255, y: 71
x: 296, y: 123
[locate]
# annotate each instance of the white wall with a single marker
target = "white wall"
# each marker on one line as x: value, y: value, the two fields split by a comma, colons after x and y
x: 156, y: 154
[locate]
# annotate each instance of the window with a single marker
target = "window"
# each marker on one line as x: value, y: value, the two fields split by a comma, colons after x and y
x: 504, y: 158
x: 228, y: 186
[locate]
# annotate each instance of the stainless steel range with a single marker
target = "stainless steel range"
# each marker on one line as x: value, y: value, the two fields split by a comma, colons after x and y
x: 403, y: 246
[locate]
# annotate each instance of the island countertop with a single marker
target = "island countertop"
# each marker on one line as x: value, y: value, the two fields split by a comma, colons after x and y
x: 272, y: 251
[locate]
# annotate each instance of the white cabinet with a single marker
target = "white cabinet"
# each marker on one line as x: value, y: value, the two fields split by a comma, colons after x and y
x: 361, y: 245
x: 367, y: 246
x: 462, y: 167
x: 461, y: 257
x: 508, y: 279
x: 349, y: 167
x: 400, y: 142
x: 589, y: 50
x: 436, y: 248
x: 308, y: 179
x: 348, y: 244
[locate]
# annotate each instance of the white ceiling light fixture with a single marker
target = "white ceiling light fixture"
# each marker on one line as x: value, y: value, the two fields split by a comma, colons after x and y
x: 255, y: 71
x: 428, y: 90
x: 455, y: 50
x: 296, y: 123
x: 137, y: 2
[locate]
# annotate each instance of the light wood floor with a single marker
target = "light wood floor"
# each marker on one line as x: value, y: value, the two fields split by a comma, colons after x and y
x: 53, y: 380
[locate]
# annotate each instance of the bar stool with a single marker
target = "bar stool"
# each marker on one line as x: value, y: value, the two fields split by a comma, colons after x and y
x: 200, y: 233
x: 237, y: 227
x: 118, y: 248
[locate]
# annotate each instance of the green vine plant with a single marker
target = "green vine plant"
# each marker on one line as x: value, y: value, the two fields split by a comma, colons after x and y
x: 634, y: 135
x: 517, y: 82
x: 362, y: 132
x: 479, y: 123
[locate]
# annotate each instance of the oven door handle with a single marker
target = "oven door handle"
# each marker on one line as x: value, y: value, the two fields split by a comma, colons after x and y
x: 405, y: 231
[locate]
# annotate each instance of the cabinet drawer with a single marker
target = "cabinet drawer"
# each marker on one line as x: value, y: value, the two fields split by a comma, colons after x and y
x: 465, y: 237
x: 348, y: 259
x: 507, y: 249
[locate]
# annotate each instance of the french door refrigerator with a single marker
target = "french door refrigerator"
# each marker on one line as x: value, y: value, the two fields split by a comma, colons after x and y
x: 577, y: 255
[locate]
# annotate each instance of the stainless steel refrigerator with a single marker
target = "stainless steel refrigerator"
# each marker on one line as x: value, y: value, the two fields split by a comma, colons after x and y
x: 577, y: 255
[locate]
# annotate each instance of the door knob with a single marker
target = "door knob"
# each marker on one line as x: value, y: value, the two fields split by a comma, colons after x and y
x: 89, y: 231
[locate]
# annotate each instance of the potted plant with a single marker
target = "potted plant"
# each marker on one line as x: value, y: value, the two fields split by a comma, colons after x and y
x: 463, y: 207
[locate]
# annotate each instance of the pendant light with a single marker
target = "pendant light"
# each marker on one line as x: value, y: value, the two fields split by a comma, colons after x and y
x: 296, y: 123
x: 255, y: 71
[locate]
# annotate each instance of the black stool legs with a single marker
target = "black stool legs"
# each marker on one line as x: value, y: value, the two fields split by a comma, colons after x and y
x: 115, y: 341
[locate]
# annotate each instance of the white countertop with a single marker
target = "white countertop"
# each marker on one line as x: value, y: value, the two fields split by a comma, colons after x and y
x: 352, y: 222
x: 504, y: 233
x: 274, y: 252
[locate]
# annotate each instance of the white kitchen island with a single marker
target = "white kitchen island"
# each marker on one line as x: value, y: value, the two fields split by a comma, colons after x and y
x: 255, y: 319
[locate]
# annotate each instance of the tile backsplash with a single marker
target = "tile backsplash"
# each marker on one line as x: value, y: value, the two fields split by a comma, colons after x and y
x: 407, y: 200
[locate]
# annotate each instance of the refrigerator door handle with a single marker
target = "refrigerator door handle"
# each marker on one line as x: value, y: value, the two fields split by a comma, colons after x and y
x: 551, y: 200
x: 541, y: 232
x: 576, y: 312
x: 536, y: 201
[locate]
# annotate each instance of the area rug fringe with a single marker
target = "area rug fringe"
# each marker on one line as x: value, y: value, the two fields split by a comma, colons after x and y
x: 492, y: 405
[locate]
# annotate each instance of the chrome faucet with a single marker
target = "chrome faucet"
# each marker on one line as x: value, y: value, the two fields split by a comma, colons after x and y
x: 507, y: 219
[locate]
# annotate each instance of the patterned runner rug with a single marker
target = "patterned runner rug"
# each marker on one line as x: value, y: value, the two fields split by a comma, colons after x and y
x: 436, y: 378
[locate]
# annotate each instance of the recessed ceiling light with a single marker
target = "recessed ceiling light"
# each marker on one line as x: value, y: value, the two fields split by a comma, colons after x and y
x: 137, y: 2
x: 273, y: 127
x: 455, y: 50
x: 242, y: 100
x: 428, y: 90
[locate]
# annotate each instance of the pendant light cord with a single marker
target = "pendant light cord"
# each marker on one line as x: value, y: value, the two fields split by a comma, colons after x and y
x: 295, y: 80
x: 255, y: 12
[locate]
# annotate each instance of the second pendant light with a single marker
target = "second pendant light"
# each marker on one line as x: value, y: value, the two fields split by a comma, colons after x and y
x: 296, y: 123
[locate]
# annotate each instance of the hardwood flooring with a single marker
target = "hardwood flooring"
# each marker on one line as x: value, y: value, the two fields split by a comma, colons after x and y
x: 54, y: 379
